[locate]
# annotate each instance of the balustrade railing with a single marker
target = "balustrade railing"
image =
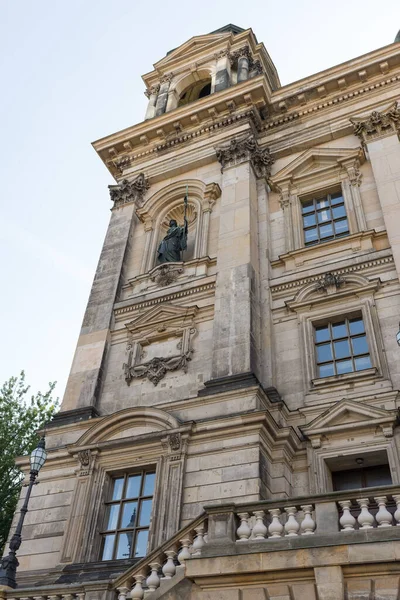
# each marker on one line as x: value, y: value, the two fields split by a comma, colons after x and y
x: 165, y: 562
x: 35, y: 596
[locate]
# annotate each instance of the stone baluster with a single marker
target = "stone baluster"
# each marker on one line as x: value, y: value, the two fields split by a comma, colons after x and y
x: 383, y: 516
x: 347, y: 520
x: 291, y: 526
x: 275, y: 528
x: 153, y: 580
x: 137, y: 592
x: 199, y: 541
x: 81, y: 595
x: 122, y: 592
x: 365, y: 519
x: 396, y: 498
x: 243, y: 531
x: 169, y: 569
x: 184, y: 554
x: 259, y: 530
x: 308, y: 524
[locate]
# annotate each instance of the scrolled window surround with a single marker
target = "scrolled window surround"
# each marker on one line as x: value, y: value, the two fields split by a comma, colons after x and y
x: 317, y: 171
x: 152, y: 214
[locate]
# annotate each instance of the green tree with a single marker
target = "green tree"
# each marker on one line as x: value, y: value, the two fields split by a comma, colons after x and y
x: 20, y: 418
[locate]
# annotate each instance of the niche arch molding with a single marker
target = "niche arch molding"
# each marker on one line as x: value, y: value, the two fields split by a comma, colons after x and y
x: 202, y: 198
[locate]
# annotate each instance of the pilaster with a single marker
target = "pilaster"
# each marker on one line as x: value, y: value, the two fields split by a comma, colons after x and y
x: 379, y: 132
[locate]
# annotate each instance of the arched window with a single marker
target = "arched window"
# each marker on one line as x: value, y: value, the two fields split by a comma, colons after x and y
x: 200, y: 89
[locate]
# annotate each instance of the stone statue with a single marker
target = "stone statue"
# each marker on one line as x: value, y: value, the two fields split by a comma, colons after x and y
x: 173, y: 244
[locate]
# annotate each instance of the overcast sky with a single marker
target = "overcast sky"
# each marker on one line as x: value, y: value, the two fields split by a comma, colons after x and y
x: 71, y: 73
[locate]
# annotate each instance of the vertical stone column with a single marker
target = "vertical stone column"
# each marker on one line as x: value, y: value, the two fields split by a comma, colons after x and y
x: 152, y: 95
x: 223, y: 72
x: 380, y: 133
x: 87, y: 367
x: 243, y: 68
x: 148, y: 228
x: 286, y: 206
x: 212, y: 192
x: 162, y: 98
x: 236, y: 331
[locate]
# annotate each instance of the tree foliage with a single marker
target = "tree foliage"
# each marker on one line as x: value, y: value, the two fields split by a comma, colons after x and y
x: 20, y: 418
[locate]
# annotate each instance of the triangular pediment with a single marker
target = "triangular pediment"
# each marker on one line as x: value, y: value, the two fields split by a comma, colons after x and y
x: 347, y: 414
x: 162, y: 316
x: 196, y: 45
x: 316, y: 160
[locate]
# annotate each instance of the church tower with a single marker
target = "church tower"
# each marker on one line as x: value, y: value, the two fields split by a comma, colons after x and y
x: 228, y: 428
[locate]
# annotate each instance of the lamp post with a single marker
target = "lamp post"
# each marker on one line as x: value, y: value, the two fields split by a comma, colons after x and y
x: 10, y: 563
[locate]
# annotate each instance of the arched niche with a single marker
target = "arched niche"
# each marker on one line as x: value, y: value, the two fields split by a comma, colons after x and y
x: 188, y: 87
x: 168, y: 204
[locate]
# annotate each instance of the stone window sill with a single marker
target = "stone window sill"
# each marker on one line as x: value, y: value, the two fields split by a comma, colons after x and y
x: 346, y: 377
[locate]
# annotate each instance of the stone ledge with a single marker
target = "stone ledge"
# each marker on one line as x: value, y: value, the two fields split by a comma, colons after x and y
x: 66, y: 417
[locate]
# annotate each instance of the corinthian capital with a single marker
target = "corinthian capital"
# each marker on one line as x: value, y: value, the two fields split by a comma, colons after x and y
x: 129, y: 191
x: 378, y: 124
x: 246, y: 149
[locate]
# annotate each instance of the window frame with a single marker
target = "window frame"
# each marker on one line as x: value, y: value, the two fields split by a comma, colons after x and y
x: 318, y: 197
x: 332, y: 341
x: 108, y: 489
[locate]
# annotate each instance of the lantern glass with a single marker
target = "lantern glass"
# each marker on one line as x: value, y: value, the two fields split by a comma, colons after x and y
x: 38, y: 457
x: 398, y: 337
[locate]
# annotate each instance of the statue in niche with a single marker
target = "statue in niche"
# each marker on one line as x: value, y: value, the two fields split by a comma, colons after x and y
x: 175, y: 242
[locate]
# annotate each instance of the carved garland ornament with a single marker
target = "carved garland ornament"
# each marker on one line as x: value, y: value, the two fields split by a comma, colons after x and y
x: 330, y: 282
x: 157, y: 367
x: 378, y: 124
x: 129, y: 191
x: 166, y: 274
x: 240, y: 150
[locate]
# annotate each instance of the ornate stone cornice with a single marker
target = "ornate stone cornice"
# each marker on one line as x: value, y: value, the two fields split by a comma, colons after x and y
x: 129, y: 191
x: 244, y: 149
x: 378, y: 124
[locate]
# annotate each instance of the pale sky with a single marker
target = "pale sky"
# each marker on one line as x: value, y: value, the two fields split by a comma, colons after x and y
x: 71, y: 73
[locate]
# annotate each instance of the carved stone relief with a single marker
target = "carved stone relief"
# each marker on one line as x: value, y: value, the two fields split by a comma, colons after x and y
x: 378, y: 124
x: 129, y: 191
x: 241, y: 150
x: 166, y: 274
x: 254, y: 65
x: 330, y: 283
x: 169, y: 330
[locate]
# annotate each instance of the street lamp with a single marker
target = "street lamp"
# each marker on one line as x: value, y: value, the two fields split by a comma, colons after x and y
x: 398, y: 336
x: 10, y: 563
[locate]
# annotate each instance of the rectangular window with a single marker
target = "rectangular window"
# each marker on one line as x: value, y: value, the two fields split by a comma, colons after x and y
x: 341, y: 347
x: 128, y: 514
x: 324, y: 219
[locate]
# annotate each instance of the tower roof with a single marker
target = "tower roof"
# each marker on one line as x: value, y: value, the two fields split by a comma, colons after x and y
x: 397, y: 38
x: 230, y: 28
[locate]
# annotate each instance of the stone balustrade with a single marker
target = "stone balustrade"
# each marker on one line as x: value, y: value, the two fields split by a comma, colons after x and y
x: 165, y: 563
x: 24, y: 595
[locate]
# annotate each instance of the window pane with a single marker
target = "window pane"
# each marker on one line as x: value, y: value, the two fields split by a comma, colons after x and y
x: 310, y: 236
x: 379, y: 475
x: 341, y: 226
x: 307, y: 207
x: 141, y: 543
x: 326, y: 370
x: 342, y: 349
x: 145, y: 512
x: 339, y: 330
x: 344, y: 366
x: 324, y: 353
x: 322, y: 334
x: 309, y: 220
x: 356, y: 326
x: 326, y: 231
x: 124, y: 544
x: 322, y: 203
x: 129, y: 515
x: 323, y: 216
x: 117, y: 489
x: 108, y: 547
x: 148, y: 488
x: 336, y: 198
x: 360, y: 345
x: 133, y: 489
x: 112, y: 516
x: 363, y: 363
x: 338, y: 211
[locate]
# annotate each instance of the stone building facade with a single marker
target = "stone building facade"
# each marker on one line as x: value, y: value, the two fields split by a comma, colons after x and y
x: 228, y: 429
